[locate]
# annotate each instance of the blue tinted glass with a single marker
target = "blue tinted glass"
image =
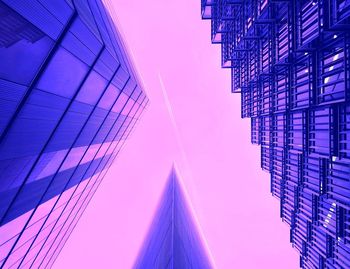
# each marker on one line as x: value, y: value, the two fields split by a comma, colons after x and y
x: 92, y: 89
x: 59, y: 79
x: 21, y: 61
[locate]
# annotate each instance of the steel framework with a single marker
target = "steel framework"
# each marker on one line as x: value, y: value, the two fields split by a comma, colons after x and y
x: 290, y: 62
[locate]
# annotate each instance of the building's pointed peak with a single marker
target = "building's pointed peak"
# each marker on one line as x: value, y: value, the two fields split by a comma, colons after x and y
x: 173, y: 237
x: 174, y: 170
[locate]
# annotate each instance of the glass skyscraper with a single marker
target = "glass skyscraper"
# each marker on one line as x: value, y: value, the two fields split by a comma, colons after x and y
x: 173, y: 240
x: 290, y: 61
x: 69, y: 98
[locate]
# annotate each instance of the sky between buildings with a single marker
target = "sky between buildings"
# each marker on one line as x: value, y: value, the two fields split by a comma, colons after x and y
x: 194, y: 121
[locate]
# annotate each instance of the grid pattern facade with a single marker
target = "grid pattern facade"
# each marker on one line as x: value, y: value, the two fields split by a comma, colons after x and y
x: 173, y: 241
x: 290, y: 61
x: 69, y: 98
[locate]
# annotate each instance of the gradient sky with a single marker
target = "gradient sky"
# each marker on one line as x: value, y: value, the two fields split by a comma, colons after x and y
x: 192, y: 120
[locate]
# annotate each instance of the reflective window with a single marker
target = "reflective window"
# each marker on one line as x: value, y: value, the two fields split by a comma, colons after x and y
x: 59, y: 79
x: 92, y: 88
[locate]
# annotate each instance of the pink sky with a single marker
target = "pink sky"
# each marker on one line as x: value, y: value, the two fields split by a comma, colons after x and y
x: 206, y: 138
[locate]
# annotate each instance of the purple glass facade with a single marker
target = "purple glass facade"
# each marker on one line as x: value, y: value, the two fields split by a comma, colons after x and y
x: 290, y: 63
x: 173, y: 240
x: 69, y: 98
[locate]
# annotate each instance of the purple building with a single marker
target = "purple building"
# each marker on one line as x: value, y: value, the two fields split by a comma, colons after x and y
x: 173, y: 240
x: 289, y: 60
x: 69, y: 98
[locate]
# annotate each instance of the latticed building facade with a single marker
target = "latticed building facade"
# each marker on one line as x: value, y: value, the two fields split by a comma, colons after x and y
x: 290, y: 61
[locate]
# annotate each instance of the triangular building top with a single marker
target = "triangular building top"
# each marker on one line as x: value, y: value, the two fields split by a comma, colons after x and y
x: 173, y: 240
